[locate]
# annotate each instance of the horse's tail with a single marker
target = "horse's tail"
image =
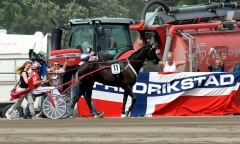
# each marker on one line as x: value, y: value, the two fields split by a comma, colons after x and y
x: 70, y: 70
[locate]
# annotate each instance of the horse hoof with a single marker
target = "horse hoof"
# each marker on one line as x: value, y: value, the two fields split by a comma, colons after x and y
x: 128, y: 113
x: 123, y: 116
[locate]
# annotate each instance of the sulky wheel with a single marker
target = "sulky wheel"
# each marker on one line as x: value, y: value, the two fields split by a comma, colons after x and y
x: 69, y: 104
x: 54, y: 112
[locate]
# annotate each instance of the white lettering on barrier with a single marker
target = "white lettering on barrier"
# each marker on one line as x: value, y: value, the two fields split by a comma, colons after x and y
x: 140, y: 88
x: 153, y: 88
x: 173, y: 86
x: 121, y: 90
x: 97, y: 83
x: 114, y: 88
x: 164, y: 88
x: 199, y: 80
x: 185, y: 84
x: 225, y: 77
x: 211, y: 80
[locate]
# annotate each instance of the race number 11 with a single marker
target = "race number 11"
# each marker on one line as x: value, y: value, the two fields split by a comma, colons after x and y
x: 115, y: 68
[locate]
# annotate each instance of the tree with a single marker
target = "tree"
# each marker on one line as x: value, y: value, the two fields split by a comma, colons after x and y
x: 29, y: 16
x: 9, y: 11
x: 134, y: 6
x: 109, y: 8
x: 194, y: 2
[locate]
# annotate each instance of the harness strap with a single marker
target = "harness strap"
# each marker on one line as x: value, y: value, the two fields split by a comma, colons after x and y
x: 129, y: 65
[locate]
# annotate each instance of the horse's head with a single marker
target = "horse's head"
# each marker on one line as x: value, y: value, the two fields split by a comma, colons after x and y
x: 151, y: 54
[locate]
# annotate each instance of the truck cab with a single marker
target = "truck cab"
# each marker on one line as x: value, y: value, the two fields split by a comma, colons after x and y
x: 93, y: 34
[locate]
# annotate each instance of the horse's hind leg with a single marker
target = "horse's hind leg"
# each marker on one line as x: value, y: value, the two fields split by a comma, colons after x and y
x: 128, y: 90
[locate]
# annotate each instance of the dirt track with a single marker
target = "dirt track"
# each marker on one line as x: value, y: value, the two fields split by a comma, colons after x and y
x: 177, y: 130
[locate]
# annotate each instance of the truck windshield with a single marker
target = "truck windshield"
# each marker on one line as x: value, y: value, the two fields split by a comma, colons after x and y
x: 115, y: 37
x: 114, y: 40
x: 81, y: 35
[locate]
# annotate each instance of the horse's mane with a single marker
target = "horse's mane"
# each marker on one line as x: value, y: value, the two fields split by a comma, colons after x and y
x: 136, y: 53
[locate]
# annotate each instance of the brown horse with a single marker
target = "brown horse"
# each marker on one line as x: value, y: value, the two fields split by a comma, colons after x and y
x: 101, y: 72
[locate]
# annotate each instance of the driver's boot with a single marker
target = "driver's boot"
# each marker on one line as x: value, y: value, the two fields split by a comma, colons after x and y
x: 97, y: 114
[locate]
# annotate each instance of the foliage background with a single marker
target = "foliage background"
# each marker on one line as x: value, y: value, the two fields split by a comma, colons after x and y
x: 29, y: 16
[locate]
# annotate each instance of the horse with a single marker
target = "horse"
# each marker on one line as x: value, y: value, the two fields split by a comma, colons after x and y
x: 101, y: 72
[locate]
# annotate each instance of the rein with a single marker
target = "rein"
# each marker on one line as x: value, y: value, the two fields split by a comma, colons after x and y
x: 74, y: 81
x: 62, y: 72
x: 128, y: 65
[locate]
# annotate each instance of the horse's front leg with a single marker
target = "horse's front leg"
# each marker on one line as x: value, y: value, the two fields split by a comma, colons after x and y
x: 125, y: 96
x: 128, y: 90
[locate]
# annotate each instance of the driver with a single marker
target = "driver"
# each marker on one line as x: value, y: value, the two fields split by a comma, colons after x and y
x: 37, y: 82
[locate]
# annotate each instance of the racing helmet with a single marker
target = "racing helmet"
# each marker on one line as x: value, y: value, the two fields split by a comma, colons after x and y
x: 35, y: 65
x: 85, y: 56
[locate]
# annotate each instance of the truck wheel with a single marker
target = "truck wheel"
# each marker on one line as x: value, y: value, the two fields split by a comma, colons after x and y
x: 16, y: 113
